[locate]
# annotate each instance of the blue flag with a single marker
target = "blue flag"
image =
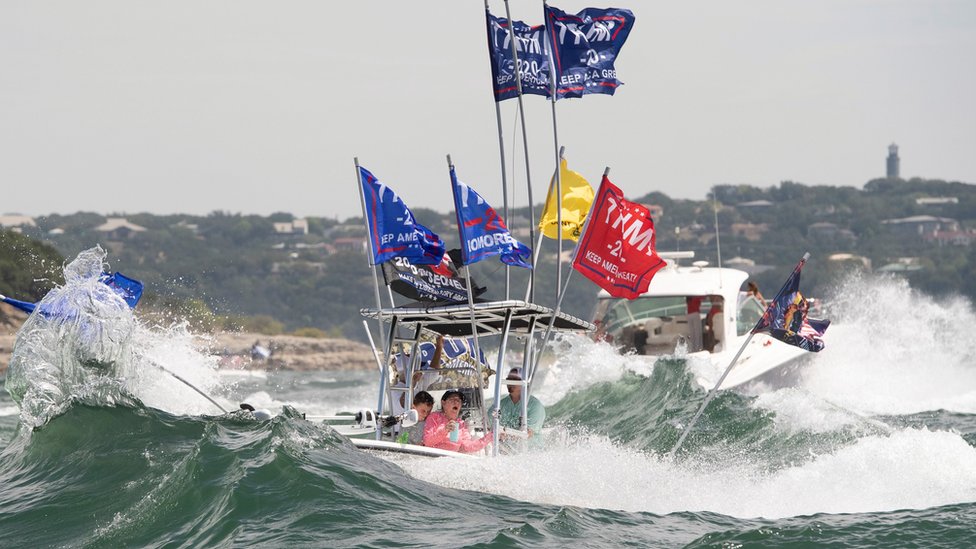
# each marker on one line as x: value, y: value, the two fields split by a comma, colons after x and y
x: 584, y: 47
x: 129, y: 289
x: 786, y: 317
x: 483, y: 232
x: 392, y: 229
x: 532, y: 56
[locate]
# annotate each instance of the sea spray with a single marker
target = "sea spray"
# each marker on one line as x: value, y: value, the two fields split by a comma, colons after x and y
x: 73, y: 345
x: 894, y: 350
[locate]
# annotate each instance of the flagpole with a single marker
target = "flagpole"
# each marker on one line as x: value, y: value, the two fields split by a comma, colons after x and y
x: 501, y: 152
x: 542, y: 231
x: 372, y: 253
x: 525, y: 144
x: 555, y: 138
x: 711, y: 393
x: 562, y: 293
x: 467, y: 278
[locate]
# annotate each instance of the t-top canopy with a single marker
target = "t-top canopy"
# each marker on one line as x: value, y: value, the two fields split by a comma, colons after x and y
x: 489, y: 317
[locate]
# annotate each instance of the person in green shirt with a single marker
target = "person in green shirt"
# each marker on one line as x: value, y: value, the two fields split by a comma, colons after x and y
x: 510, y: 411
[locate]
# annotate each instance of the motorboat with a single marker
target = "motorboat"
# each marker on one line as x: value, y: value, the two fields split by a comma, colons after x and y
x: 686, y: 312
x: 468, y: 331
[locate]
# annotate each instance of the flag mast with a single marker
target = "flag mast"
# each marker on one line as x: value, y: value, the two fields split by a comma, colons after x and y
x: 372, y: 252
x: 525, y: 148
x: 555, y: 139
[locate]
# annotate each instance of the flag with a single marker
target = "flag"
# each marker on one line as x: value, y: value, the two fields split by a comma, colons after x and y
x: 786, y: 317
x: 432, y: 283
x: 584, y: 47
x: 483, y: 232
x: 129, y: 289
x: 577, y: 198
x: 617, y: 251
x: 393, y: 231
x: 533, y: 59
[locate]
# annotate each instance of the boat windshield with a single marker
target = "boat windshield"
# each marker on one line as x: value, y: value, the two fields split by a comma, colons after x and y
x: 619, y: 313
x: 750, y: 311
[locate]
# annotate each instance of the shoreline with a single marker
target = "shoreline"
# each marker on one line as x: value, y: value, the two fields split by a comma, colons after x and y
x: 292, y: 353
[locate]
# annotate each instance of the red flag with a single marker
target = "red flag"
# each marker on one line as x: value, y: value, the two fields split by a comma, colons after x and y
x: 617, y: 251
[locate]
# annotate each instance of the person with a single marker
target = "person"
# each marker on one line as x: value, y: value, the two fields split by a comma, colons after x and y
x: 640, y: 340
x: 445, y: 429
x: 753, y: 290
x: 400, y: 361
x: 510, y: 409
x: 423, y: 402
x: 710, y: 339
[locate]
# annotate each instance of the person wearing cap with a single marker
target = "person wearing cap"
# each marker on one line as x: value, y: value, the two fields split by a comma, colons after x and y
x: 440, y: 425
x: 510, y: 409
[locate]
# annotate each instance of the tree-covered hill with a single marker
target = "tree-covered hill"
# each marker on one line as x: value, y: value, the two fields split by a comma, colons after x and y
x: 268, y: 270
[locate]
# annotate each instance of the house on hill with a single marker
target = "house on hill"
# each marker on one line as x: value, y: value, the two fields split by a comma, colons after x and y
x: 826, y: 232
x: 118, y: 228
x: 295, y: 227
x: 920, y: 225
x: 16, y: 222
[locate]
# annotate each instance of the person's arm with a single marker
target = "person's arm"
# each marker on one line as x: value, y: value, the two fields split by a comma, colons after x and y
x: 536, y: 416
x: 469, y: 444
x: 435, y: 361
x: 436, y: 434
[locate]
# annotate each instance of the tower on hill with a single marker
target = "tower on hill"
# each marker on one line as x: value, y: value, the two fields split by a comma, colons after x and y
x: 893, y: 162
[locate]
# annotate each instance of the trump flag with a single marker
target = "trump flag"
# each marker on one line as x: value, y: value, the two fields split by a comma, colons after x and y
x: 584, y: 47
x: 618, y: 247
x: 786, y: 317
x: 483, y: 232
x: 393, y: 231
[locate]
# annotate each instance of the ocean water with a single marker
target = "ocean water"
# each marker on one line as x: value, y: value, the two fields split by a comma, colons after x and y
x: 874, y: 447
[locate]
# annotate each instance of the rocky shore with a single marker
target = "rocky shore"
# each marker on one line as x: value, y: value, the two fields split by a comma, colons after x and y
x: 234, y: 349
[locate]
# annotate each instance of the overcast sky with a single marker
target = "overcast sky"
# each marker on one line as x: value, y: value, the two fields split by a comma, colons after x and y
x: 259, y: 107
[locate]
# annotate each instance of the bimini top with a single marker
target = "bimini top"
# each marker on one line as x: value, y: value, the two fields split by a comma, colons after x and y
x: 489, y: 317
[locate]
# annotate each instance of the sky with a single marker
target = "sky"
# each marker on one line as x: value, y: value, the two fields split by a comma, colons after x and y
x: 239, y: 106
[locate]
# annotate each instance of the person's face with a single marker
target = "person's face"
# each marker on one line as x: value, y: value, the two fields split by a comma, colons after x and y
x: 515, y: 391
x: 452, y: 406
x: 422, y: 410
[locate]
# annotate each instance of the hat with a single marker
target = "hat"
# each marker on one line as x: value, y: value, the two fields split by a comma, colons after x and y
x: 515, y: 373
x: 451, y: 392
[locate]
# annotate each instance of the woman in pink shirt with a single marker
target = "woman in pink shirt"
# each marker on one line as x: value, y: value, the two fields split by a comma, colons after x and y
x: 440, y: 425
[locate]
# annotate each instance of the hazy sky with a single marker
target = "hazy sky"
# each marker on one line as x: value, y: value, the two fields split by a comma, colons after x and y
x: 258, y: 107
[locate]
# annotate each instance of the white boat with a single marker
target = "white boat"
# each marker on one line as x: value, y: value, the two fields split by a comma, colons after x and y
x: 677, y: 311
x: 493, y: 323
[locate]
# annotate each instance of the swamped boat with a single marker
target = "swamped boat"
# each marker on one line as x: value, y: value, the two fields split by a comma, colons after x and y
x: 700, y: 312
x: 483, y: 325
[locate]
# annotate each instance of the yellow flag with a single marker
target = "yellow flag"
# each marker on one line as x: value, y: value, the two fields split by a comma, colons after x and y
x: 577, y: 197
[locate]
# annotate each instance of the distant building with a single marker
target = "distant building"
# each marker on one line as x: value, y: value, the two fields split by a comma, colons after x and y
x: 951, y: 238
x: 656, y: 211
x: 118, y: 228
x: 754, y: 204
x: 751, y: 231
x: 293, y: 227
x: 936, y: 200
x: 920, y: 225
x: 851, y: 258
x: 349, y: 244
x: 830, y: 233
x: 893, y: 163
x: 16, y: 222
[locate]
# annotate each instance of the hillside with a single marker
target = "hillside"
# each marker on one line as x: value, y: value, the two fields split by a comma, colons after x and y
x: 278, y: 274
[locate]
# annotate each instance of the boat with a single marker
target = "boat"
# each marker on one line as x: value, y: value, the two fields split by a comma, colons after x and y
x: 685, y: 312
x: 486, y: 324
